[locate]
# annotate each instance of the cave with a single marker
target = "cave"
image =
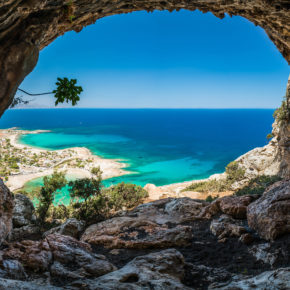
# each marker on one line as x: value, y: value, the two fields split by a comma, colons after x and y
x: 26, y: 27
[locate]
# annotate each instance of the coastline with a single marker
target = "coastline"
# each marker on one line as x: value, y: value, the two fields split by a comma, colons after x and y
x: 60, y: 159
x: 110, y: 168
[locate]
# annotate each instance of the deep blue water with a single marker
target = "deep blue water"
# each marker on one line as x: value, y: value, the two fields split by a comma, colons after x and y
x: 161, y: 146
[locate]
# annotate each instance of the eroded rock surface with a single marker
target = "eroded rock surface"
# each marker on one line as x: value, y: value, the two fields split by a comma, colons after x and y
x: 235, y: 206
x: 130, y: 232
x: 6, y: 210
x: 71, y: 227
x: 270, y: 214
x: 278, y: 280
x: 24, y: 219
x: 161, y: 270
x: 155, y: 224
x: 63, y: 256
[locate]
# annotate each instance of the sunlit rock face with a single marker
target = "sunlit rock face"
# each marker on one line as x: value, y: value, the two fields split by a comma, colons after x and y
x: 6, y: 210
x: 28, y: 26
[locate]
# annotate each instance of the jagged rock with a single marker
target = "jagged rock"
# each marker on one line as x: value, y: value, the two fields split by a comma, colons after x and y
x: 246, y: 238
x: 235, y: 206
x: 23, y: 285
x: 71, y: 227
x: 67, y: 250
x: 184, y: 209
x: 24, y: 232
x: 11, y: 269
x: 23, y: 212
x: 270, y: 280
x: 270, y: 214
x: 161, y: 270
x: 6, y: 209
x: 34, y: 255
x: 74, y: 258
x: 225, y: 226
x: 129, y: 232
x: 274, y: 254
x: 207, y: 275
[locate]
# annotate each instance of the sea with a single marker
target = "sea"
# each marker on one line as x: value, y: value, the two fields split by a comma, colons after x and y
x: 159, y: 146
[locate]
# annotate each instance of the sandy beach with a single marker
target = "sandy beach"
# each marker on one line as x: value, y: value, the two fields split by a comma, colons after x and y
x: 76, y: 161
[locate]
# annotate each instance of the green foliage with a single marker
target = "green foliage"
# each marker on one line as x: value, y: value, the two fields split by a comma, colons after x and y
x: 234, y: 172
x: 96, y: 171
x: 282, y: 114
x: 270, y: 136
x: 67, y: 91
x: 85, y: 188
x: 125, y: 195
x: 258, y: 185
x: 210, y: 198
x: 46, y: 195
x: 208, y: 186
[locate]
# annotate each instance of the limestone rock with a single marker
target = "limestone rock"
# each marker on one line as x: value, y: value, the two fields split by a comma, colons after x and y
x: 12, y: 269
x: 235, y: 206
x: 71, y: 227
x: 161, y: 270
x: 225, y: 226
x: 71, y: 258
x: 6, y: 209
x: 130, y: 232
x: 23, y: 212
x: 23, y: 285
x: 24, y: 232
x: 272, y: 280
x: 270, y: 214
x: 263, y: 252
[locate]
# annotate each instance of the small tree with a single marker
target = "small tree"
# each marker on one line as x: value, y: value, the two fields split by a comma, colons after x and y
x: 125, y: 195
x: 46, y: 195
x: 66, y: 91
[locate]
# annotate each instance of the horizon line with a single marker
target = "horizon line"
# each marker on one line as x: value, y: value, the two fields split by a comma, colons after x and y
x: 143, y: 108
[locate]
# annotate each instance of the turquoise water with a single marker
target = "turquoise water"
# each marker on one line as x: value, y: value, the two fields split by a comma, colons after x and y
x: 159, y: 146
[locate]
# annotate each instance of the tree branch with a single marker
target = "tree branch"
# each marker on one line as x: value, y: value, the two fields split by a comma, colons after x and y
x: 34, y: 94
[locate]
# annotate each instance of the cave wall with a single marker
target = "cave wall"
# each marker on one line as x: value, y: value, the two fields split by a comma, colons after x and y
x: 26, y: 26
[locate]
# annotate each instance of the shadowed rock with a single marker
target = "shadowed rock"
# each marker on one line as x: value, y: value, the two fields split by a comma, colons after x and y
x: 270, y: 214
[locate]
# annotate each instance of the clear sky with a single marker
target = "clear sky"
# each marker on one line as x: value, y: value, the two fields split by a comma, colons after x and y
x: 165, y: 60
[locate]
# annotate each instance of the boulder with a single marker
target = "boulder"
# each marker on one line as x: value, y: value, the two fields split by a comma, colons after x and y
x: 235, y: 206
x: 161, y: 270
x: 71, y: 227
x: 63, y: 256
x: 225, y: 227
x: 272, y: 280
x: 6, y: 210
x: 130, y: 232
x: 12, y: 269
x: 23, y: 285
x: 23, y: 212
x: 270, y: 214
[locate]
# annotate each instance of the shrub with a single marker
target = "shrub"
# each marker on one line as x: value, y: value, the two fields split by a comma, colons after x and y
x: 282, y: 114
x: 125, y: 195
x: 96, y: 171
x: 210, y: 198
x: 258, y: 185
x: 270, y: 136
x: 234, y: 172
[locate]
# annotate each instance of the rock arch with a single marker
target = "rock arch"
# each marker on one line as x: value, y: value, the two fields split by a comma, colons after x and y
x: 28, y: 26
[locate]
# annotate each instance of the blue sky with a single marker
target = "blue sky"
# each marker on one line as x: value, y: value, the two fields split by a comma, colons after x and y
x: 165, y: 60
